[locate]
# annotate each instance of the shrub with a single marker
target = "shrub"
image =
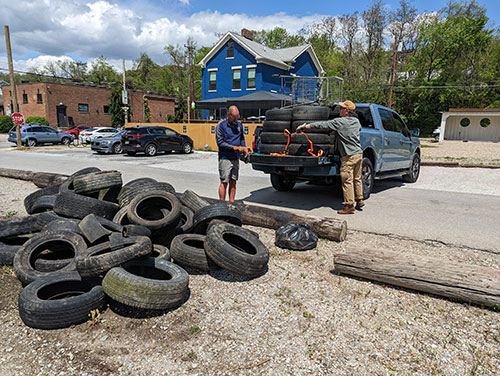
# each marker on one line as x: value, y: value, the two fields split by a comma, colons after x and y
x: 36, y: 120
x: 5, y: 123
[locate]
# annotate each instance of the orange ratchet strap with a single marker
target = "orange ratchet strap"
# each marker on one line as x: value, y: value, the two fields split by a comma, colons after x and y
x: 287, y: 133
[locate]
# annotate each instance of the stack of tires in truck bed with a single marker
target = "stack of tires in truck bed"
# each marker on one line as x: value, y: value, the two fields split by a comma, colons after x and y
x: 277, y: 121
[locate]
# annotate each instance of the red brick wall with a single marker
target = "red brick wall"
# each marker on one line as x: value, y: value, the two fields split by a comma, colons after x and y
x: 158, y: 105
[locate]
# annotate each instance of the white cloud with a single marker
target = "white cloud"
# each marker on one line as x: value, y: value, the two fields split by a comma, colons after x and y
x: 87, y: 30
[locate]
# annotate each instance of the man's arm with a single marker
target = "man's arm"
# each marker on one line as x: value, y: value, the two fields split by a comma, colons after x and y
x: 219, y: 137
x: 333, y: 125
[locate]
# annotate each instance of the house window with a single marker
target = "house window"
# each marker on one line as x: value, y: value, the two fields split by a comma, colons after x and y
x: 39, y: 99
x: 25, y: 98
x: 212, y: 84
x: 83, y: 107
x: 236, y: 79
x: 106, y: 109
x: 251, y: 78
x: 230, y: 49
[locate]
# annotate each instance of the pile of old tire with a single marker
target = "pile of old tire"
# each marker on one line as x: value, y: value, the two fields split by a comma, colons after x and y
x: 90, y: 241
x: 277, y: 120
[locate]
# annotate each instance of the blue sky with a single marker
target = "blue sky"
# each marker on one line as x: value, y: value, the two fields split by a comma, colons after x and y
x: 45, y: 30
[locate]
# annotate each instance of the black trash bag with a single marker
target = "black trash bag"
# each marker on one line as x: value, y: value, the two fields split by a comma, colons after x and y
x: 297, y: 236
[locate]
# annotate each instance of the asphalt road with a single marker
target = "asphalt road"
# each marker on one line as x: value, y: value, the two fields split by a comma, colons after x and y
x: 458, y: 206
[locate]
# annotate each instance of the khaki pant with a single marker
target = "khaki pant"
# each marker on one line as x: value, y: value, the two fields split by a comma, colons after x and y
x: 350, y: 173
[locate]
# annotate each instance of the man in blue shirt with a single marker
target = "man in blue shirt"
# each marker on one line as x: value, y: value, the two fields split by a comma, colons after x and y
x: 231, y: 141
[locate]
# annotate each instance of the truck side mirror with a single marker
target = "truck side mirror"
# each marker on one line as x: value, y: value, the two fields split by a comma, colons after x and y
x: 415, y: 132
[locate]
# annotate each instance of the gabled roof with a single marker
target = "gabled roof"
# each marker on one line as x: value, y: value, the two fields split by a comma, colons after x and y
x: 281, y: 58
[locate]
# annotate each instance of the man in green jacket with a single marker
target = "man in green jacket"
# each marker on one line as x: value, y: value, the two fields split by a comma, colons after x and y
x: 347, y: 128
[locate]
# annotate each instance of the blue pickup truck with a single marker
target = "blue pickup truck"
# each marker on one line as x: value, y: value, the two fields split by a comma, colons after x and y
x: 389, y: 149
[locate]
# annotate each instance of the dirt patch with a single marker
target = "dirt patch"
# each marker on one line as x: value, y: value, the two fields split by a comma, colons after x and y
x: 464, y: 153
x: 299, y: 318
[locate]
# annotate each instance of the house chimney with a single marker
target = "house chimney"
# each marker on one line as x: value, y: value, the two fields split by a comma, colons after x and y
x: 247, y: 34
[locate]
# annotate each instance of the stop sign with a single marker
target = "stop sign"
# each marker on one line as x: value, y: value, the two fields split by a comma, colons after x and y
x: 17, y: 118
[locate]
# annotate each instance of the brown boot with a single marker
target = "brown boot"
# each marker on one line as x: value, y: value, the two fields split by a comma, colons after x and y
x: 348, y: 209
x: 359, y: 204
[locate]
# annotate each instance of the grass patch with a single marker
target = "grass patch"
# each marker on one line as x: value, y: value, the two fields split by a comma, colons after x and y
x: 428, y: 146
x: 9, y: 214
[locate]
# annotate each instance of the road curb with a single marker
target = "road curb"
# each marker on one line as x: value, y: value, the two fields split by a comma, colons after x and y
x: 456, y: 164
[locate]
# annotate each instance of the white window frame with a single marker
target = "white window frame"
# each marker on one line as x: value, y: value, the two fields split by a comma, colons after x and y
x: 212, y: 70
x: 252, y: 66
x: 232, y: 76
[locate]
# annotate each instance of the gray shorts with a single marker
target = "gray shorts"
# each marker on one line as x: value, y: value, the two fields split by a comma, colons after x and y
x: 228, y: 169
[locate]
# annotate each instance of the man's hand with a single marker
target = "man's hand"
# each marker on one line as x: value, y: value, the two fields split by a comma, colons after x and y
x: 241, y: 149
x: 303, y: 126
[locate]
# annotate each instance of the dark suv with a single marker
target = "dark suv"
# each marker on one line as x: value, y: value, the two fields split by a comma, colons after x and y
x: 154, y: 139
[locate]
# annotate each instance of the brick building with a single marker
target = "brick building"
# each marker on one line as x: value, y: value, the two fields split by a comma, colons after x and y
x: 65, y: 105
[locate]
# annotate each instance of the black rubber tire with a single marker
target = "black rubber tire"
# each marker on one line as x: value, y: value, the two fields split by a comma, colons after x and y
x: 275, y: 126
x: 148, y: 283
x: 92, y: 229
x: 72, y: 205
x: 131, y: 153
x: 31, y: 198
x: 31, y: 142
x: 220, y: 211
x: 302, y: 149
x: 139, y: 181
x: 63, y: 241
x: 188, y: 250
x: 187, y: 148
x: 161, y: 252
x: 146, y: 210
x: 191, y: 200
x: 295, y: 124
x: 316, y: 138
x: 151, y: 149
x: 310, y: 113
x: 66, y: 140
x: 273, y: 138
x: 121, y: 216
x: 284, y: 114
x: 136, y: 230
x: 272, y: 148
x: 63, y: 224
x: 237, y: 250
x: 185, y: 224
x: 109, y: 194
x: 117, y: 148
x: 414, y: 172
x: 282, y: 183
x: 128, y: 193
x: 43, y: 219
x: 367, y: 177
x: 94, y: 182
x: 43, y: 204
x: 67, y: 185
x: 19, y: 226
x: 7, y: 253
x: 98, y: 259
x: 59, y: 300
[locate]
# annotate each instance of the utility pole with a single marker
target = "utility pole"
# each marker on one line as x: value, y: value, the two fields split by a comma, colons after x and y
x: 124, y: 96
x: 12, y: 83
x: 190, y: 49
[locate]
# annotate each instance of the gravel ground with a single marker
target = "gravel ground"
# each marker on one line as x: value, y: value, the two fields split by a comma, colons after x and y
x: 465, y: 153
x: 299, y: 318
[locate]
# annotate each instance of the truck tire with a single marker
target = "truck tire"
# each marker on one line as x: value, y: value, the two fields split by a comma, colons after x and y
x: 282, y: 183
x: 96, y: 181
x: 146, y: 209
x: 367, y: 177
x: 414, y: 172
x: 31, y: 198
x: 193, y: 201
x: 149, y: 283
x: 272, y: 148
x: 72, y: 205
x: 188, y: 251
x: 59, y: 300
x: 310, y: 113
x: 283, y: 114
x: 139, y: 181
x: 19, y: 226
x: 275, y: 125
x: 67, y: 185
x: 221, y: 211
x: 273, y: 138
x: 302, y: 149
x: 128, y: 193
x: 295, y: 124
x: 43, y: 203
x: 315, y: 138
x: 237, y: 250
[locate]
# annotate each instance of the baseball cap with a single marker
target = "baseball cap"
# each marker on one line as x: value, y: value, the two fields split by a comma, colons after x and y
x: 348, y: 105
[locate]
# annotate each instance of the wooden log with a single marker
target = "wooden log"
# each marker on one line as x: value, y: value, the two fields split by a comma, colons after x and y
x: 261, y: 216
x: 44, y: 179
x: 468, y: 283
x: 16, y: 174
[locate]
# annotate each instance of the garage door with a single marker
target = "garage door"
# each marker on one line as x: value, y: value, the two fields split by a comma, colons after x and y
x: 473, y: 128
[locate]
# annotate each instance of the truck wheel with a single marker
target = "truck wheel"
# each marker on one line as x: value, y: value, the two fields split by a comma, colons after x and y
x: 367, y: 177
x: 414, y: 172
x: 282, y: 183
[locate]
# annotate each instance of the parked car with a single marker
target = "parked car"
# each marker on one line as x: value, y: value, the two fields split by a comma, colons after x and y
x: 153, y: 139
x: 111, y: 144
x: 75, y: 131
x: 93, y: 133
x: 389, y: 149
x: 436, y: 133
x: 33, y: 134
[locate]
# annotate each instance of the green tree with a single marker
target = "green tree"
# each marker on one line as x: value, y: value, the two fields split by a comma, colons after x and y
x: 37, y: 120
x: 115, y: 107
x: 102, y: 72
x: 278, y: 38
x: 6, y: 123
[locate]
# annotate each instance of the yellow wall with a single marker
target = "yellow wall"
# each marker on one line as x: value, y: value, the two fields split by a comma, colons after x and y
x: 201, y: 133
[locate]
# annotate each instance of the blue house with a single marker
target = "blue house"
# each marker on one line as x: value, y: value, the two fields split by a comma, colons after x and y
x: 240, y: 71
